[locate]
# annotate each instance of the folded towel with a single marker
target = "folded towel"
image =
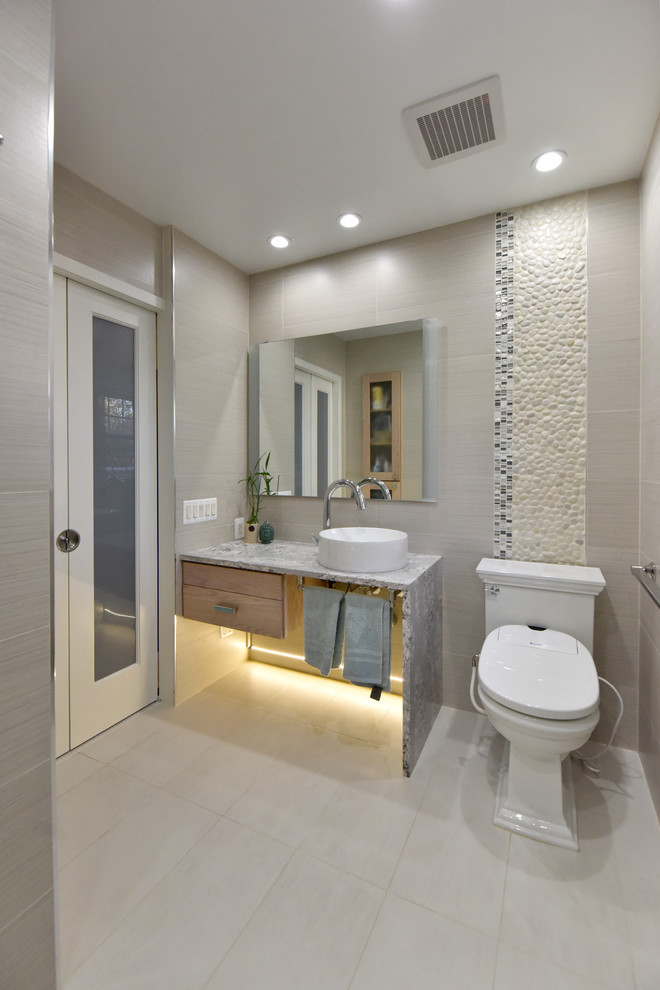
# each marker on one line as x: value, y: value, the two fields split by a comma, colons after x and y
x: 323, y: 616
x: 368, y: 641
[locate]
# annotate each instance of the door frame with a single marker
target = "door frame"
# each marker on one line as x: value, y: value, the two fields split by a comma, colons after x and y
x: 162, y: 307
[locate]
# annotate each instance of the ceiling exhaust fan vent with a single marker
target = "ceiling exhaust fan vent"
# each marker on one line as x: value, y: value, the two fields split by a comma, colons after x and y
x: 457, y: 124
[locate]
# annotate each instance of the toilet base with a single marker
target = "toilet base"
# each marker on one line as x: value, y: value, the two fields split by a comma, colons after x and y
x: 561, y: 832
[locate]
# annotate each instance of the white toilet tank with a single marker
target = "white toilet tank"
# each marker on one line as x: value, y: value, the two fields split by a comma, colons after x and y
x: 551, y: 596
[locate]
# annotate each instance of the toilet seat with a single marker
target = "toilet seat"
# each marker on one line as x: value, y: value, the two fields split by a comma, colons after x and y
x: 543, y: 673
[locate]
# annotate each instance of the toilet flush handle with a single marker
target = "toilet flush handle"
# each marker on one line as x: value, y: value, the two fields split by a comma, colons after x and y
x: 494, y: 590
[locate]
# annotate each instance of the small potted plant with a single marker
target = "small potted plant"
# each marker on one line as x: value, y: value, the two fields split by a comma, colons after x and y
x: 258, y: 483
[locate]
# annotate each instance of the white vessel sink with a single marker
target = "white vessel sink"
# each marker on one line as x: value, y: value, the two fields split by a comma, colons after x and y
x: 363, y: 550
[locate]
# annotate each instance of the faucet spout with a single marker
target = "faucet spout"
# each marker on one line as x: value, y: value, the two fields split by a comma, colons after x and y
x: 341, y: 483
x: 380, y: 484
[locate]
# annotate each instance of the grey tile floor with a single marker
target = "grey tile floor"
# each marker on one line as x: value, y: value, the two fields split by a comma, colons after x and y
x: 261, y: 836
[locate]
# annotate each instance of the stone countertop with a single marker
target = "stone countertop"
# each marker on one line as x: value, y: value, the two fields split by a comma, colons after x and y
x: 287, y: 557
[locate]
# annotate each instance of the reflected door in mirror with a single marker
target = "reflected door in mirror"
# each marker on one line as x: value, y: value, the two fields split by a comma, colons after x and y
x: 316, y: 439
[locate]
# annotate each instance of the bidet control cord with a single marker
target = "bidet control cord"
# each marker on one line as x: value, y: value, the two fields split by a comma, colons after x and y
x: 587, y: 761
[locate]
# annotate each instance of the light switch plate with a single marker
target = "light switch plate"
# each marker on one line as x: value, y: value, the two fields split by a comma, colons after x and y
x: 196, y: 510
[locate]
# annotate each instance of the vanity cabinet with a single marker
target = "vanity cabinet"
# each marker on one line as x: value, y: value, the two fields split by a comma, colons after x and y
x: 381, y: 430
x: 254, y: 601
x: 259, y: 580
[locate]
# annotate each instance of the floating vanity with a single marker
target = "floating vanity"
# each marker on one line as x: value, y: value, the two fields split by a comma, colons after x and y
x: 255, y: 587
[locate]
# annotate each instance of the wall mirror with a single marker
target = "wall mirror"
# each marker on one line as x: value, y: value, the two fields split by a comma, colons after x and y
x: 349, y: 405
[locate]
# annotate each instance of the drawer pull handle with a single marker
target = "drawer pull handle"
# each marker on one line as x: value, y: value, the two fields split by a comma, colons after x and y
x: 225, y: 608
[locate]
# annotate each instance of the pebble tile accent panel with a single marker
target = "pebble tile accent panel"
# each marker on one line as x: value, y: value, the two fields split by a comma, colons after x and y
x: 504, y: 325
x: 548, y: 489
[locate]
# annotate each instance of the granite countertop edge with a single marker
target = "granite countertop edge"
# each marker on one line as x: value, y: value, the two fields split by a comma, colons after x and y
x: 289, y: 557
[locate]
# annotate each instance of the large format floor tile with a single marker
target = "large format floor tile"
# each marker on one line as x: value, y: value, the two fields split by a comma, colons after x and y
x: 309, y: 932
x: 262, y: 835
x: 181, y: 930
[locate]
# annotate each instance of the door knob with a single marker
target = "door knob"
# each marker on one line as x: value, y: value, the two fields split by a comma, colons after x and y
x: 68, y: 540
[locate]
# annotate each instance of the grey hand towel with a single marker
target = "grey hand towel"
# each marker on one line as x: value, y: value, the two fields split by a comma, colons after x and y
x: 368, y: 641
x: 323, y: 616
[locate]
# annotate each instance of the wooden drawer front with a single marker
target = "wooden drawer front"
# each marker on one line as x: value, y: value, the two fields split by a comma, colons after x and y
x: 252, y: 613
x: 257, y: 584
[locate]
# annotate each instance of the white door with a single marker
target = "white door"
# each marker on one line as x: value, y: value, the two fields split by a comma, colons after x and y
x: 317, y: 431
x: 105, y: 511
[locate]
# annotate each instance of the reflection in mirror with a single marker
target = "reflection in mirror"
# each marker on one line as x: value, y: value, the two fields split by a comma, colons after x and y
x: 347, y: 405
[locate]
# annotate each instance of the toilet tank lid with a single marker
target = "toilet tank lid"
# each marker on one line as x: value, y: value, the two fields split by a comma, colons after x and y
x: 549, y: 577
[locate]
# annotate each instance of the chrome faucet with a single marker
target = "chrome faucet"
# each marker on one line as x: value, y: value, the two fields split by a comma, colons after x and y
x: 381, y: 484
x: 342, y: 483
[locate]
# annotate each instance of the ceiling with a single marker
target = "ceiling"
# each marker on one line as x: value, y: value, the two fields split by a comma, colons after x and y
x: 236, y: 119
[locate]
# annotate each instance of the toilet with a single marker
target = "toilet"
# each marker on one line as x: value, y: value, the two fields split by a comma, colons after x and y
x: 538, y: 685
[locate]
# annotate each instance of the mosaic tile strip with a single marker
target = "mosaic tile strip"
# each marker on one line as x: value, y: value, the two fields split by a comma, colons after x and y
x: 504, y: 377
x: 549, y: 381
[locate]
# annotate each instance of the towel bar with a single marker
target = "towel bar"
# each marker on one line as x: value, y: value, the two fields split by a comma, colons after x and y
x: 646, y: 576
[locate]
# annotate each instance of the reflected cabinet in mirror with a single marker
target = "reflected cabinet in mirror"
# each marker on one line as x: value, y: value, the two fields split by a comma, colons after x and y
x: 362, y: 403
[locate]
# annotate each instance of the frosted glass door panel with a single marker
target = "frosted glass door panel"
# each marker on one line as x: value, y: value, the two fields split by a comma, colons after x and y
x: 113, y: 405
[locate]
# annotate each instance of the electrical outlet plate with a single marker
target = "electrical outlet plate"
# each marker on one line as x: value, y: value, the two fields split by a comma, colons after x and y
x: 239, y: 528
x: 198, y: 510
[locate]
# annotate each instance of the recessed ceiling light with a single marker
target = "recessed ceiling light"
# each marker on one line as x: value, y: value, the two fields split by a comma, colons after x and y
x: 349, y: 219
x: 549, y: 160
x: 279, y: 241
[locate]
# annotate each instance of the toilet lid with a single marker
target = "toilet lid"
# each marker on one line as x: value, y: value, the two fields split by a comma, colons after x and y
x: 539, y: 672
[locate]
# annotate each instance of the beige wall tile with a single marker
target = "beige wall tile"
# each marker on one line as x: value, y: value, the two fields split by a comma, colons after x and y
x: 446, y: 264
x: 628, y: 730
x: 24, y: 409
x: 466, y: 418
x: 26, y: 928
x: 649, y: 674
x: 613, y: 453
x: 207, y: 284
x: 96, y: 230
x: 463, y: 609
x: 613, y: 375
x: 650, y: 443
x: 266, y: 307
x: 649, y: 678
x: 650, y: 519
x: 24, y: 573
x: 613, y: 304
x: 27, y: 948
x: 456, y: 674
x: 649, y: 615
x: 612, y: 513
x: 650, y: 366
x: 23, y: 155
x: 613, y: 231
x: 211, y: 339
x: 26, y: 866
x: 25, y: 703
x: 331, y: 294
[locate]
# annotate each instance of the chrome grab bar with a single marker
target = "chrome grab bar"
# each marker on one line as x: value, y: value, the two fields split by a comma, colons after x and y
x: 646, y: 575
